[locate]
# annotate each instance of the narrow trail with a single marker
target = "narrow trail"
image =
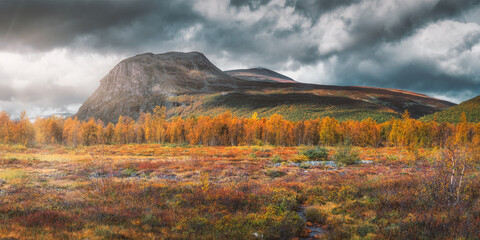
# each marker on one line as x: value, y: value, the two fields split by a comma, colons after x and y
x: 315, y: 231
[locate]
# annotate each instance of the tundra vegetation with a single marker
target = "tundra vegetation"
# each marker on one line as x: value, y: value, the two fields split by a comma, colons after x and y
x: 238, y: 178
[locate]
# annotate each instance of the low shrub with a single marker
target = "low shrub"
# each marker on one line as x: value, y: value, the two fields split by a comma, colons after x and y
x: 252, y: 156
x: 346, y: 155
x: 305, y: 165
x: 299, y: 158
x: 364, y: 230
x: 277, y: 159
x: 316, y: 154
x: 129, y: 172
x: 287, y: 225
x: 275, y: 173
x: 313, y: 214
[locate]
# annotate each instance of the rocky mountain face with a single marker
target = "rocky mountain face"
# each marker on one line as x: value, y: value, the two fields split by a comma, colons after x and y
x: 188, y: 83
x: 144, y: 81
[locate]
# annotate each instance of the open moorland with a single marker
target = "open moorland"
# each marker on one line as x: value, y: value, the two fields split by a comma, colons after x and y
x: 152, y: 191
x: 231, y: 178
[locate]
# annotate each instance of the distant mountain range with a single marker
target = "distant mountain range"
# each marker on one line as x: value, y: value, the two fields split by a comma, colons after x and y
x: 61, y: 115
x: 189, y: 84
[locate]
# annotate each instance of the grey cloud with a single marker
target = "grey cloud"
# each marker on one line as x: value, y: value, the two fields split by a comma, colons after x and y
x: 418, y: 18
x: 366, y: 31
x: 313, y: 9
x: 254, y: 49
x: 145, y: 25
x: 415, y: 75
x: 6, y: 92
x: 38, y: 98
x: 252, y: 4
x: 468, y: 43
x: 49, y: 24
x: 48, y: 95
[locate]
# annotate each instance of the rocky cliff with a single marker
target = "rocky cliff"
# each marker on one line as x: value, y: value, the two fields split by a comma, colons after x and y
x: 144, y: 81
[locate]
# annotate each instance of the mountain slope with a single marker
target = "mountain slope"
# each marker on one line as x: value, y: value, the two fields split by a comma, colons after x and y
x: 301, y: 101
x: 188, y: 83
x: 260, y: 74
x: 142, y: 82
x: 471, y: 108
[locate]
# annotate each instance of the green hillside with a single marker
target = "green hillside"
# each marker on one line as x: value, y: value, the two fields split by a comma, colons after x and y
x: 471, y: 108
x: 296, y: 105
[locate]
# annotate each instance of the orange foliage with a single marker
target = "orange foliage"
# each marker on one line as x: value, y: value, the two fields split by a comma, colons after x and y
x: 228, y: 130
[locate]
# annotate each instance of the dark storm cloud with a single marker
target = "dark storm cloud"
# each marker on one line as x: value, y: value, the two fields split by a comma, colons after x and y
x: 252, y: 4
x: 47, y: 24
x: 425, y: 75
x: 367, y: 28
x: 130, y: 26
x: 313, y: 9
x: 419, y: 75
x: 370, y: 26
x: 415, y: 19
x: 271, y: 47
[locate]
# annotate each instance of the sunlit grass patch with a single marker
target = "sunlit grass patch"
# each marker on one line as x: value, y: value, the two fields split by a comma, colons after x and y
x: 9, y: 174
x: 16, y: 157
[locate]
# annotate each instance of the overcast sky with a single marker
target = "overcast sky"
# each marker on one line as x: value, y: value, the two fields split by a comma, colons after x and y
x: 53, y: 53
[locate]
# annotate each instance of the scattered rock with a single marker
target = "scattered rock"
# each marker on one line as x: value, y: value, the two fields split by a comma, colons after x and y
x: 129, y: 173
x: 168, y: 176
x: 365, y: 162
x: 99, y: 174
x: 331, y: 164
x: 310, y: 163
x: 258, y: 235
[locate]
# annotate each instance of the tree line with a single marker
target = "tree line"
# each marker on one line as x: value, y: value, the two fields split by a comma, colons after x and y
x: 228, y: 130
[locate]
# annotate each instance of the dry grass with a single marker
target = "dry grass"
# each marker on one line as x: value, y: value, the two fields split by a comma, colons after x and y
x: 154, y: 191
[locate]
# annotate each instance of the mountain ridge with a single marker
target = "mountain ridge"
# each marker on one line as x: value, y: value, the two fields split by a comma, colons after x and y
x: 260, y: 74
x: 188, y: 83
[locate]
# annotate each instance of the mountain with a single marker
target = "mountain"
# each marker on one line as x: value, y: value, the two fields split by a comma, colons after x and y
x: 189, y: 84
x: 471, y: 108
x: 260, y: 74
x: 144, y: 81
